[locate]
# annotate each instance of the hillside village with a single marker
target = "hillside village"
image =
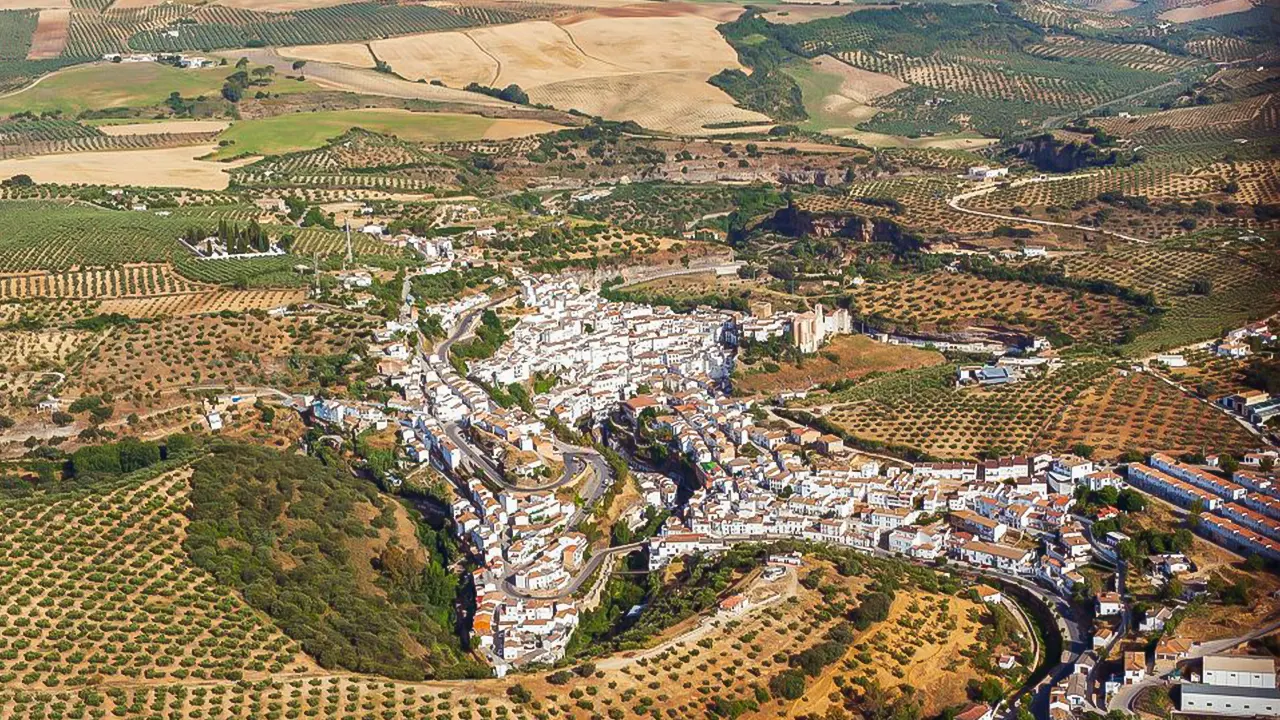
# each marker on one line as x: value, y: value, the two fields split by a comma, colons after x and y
x: 654, y: 379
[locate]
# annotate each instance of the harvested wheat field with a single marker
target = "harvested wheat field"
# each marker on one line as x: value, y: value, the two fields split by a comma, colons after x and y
x: 170, y: 167
x: 365, y: 80
x: 688, y: 104
x: 648, y: 64
x: 50, y: 38
x: 34, y: 4
x: 165, y: 127
x: 1201, y: 12
x: 452, y: 58
x: 353, y: 54
x: 857, y: 84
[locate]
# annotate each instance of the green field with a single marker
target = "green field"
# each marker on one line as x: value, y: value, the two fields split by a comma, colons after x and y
x: 56, y: 237
x: 291, y: 133
x: 816, y: 86
x: 102, y: 86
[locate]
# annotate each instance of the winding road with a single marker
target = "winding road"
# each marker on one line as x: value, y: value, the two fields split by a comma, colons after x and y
x: 953, y: 202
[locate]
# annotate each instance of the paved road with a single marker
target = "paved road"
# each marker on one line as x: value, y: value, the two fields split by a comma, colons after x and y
x: 1127, y: 694
x: 584, y: 574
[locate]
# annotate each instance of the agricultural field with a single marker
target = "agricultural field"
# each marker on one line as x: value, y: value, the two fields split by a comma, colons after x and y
x: 847, y: 357
x: 665, y: 209
x: 223, y: 27
x: 152, y: 360
x: 293, y: 133
x: 1175, y: 193
x: 922, y: 203
x: 921, y: 411
x: 948, y: 302
x: 86, y: 158
x: 155, y: 631
x: 986, y: 73
x: 1212, y: 376
x: 1127, y: 411
x: 837, y: 95
x: 1253, y: 117
x: 61, y: 238
x: 217, y: 301
x: 1204, y: 284
x: 136, y: 280
x: 138, y: 610
x: 655, y: 72
x: 16, y: 29
x: 102, y: 86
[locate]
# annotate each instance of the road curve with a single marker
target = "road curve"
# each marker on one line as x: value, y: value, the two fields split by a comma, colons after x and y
x: 954, y: 203
x: 584, y: 574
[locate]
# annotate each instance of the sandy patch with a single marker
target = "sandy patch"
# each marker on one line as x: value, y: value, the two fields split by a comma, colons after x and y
x: 168, y: 126
x: 170, y: 167
x: 450, y: 57
x: 34, y: 4
x: 50, y: 37
x: 1200, y: 12
x: 353, y: 54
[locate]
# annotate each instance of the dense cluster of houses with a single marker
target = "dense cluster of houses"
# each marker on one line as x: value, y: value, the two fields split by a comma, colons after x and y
x: 1242, y: 513
x: 602, y: 352
x: 803, y: 484
x: 758, y: 476
x: 807, y: 330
